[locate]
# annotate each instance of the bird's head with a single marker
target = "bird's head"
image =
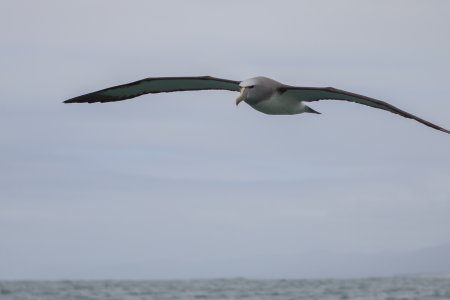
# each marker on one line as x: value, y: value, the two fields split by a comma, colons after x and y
x: 256, y: 89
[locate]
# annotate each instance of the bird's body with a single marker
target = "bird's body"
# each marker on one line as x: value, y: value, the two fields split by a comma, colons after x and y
x: 277, y: 105
x: 263, y: 94
x: 268, y: 100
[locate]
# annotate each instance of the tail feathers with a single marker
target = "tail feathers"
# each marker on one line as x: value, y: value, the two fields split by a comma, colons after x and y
x: 310, y: 110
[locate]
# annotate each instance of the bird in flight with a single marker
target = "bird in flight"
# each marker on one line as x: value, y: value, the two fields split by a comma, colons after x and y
x: 263, y: 94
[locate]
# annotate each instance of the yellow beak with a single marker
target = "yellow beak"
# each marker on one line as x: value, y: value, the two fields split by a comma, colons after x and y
x: 242, y: 96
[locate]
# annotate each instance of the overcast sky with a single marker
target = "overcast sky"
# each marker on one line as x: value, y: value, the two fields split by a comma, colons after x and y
x: 187, y: 177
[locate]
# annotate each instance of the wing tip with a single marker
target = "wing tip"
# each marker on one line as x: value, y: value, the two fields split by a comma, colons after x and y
x: 93, y: 98
x: 76, y: 100
x: 445, y: 130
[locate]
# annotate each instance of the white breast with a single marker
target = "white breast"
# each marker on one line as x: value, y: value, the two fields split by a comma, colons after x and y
x: 279, y: 105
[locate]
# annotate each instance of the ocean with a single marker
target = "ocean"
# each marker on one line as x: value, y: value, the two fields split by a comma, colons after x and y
x: 396, y: 288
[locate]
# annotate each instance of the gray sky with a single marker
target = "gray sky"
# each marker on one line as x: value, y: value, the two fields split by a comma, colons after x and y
x: 169, y: 180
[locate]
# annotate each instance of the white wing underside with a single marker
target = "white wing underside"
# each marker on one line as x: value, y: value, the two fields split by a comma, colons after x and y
x: 156, y: 85
x: 310, y: 94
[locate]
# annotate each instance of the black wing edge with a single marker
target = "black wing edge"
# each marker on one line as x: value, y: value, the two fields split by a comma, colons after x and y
x: 381, y: 104
x: 97, y: 97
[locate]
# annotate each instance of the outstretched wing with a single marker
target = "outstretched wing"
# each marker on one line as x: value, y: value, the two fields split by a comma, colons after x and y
x: 309, y: 94
x: 156, y: 85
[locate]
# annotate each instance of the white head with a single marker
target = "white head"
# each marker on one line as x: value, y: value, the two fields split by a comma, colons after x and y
x: 257, y: 89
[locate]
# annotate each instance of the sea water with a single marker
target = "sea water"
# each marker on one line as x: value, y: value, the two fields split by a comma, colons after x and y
x: 396, y: 288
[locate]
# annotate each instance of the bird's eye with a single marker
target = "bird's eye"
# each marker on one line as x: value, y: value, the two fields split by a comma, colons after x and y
x: 250, y: 86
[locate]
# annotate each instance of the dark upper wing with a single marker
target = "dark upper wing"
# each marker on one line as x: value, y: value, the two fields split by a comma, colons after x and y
x: 309, y: 94
x: 156, y: 85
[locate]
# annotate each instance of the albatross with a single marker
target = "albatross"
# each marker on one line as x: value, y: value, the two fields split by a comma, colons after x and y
x: 261, y: 93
